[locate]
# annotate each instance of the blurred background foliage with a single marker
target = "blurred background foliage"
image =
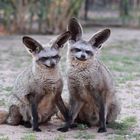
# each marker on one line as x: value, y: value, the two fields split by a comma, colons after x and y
x: 51, y: 16
x: 40, y: 16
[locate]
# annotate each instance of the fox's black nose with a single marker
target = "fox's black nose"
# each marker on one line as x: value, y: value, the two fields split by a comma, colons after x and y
x: 52, y: 64
x: 83, y: 56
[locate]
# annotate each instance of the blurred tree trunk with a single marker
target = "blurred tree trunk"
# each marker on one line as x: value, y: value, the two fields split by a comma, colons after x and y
x: 124, y: 7
x: 86, y: 9
x: 20, y: 16
x: 60, y: 12
x: 46, y: 16
x: 16, y: 15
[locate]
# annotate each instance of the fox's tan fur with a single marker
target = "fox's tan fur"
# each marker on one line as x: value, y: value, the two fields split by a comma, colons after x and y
x: 39, y: 84
x: 98, y: 77
x: 90, y: 83
x: 42, y: 81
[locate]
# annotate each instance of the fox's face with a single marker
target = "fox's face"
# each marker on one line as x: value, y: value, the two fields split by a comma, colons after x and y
x: 46, y: 57
x: 82, y: 51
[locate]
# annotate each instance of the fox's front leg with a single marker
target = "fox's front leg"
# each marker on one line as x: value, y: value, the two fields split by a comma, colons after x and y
x: 59, y: 101
x: 63, y: 109
x: 75, y: 105
x: 101, y: 105
x: 102, y: 118
x: 35, y: 116
x: 34, y: 100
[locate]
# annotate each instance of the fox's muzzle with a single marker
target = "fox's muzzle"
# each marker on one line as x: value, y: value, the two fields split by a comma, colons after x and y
x: 82, y: 58
x: 52, y: 65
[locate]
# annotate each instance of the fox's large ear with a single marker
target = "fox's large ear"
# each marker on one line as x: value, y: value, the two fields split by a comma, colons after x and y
x: 75, y: 28
x: 99, y: 38
x: 61, y: 40
x: 32, y: 45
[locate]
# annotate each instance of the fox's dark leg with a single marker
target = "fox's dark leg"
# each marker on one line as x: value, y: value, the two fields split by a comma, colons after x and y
x: 74, y: 107
x: 26, y: 124
x: 60, y: 104
x: 34, y: 100
x: 100, y: 103
x: 35, y: 116
x: 102, y: 118
x: 59, y: 101
x: 73, y: 112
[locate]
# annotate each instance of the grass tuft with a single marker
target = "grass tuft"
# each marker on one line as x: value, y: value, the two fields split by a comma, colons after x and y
x: 123, y: 127
x: 82, y: 126
x: 60, y: 137
x: 84, y: 135
x: 29, y: 136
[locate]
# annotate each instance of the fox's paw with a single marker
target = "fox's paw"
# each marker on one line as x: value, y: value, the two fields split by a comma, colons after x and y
x: 63, y: 129
x: 37, y: 129
x: 27, y: 124
x: 74, y: 125
x: 102, y: 130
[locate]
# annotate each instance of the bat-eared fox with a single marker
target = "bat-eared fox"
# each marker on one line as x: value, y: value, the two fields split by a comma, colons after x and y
x: 91, y: 89
x: 37, y: 91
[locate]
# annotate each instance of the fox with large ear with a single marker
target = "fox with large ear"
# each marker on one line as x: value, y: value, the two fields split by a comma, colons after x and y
x: 92, y: 93
x: 37, y: 90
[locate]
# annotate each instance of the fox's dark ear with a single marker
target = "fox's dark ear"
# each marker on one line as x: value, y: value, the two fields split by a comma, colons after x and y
x: 61, y: 40
x: 99, y: 38
x: 75, y: 28
x: 32, y: 45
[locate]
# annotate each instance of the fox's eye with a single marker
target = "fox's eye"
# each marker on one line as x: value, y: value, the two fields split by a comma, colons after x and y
x: 44, y: 58
x: 77, y: 50
x: 56, y: 57
x: 89, y: 53
x: 72, y: 50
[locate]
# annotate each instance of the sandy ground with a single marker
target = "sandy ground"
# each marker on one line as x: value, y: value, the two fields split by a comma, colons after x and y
x: 13, y: 59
